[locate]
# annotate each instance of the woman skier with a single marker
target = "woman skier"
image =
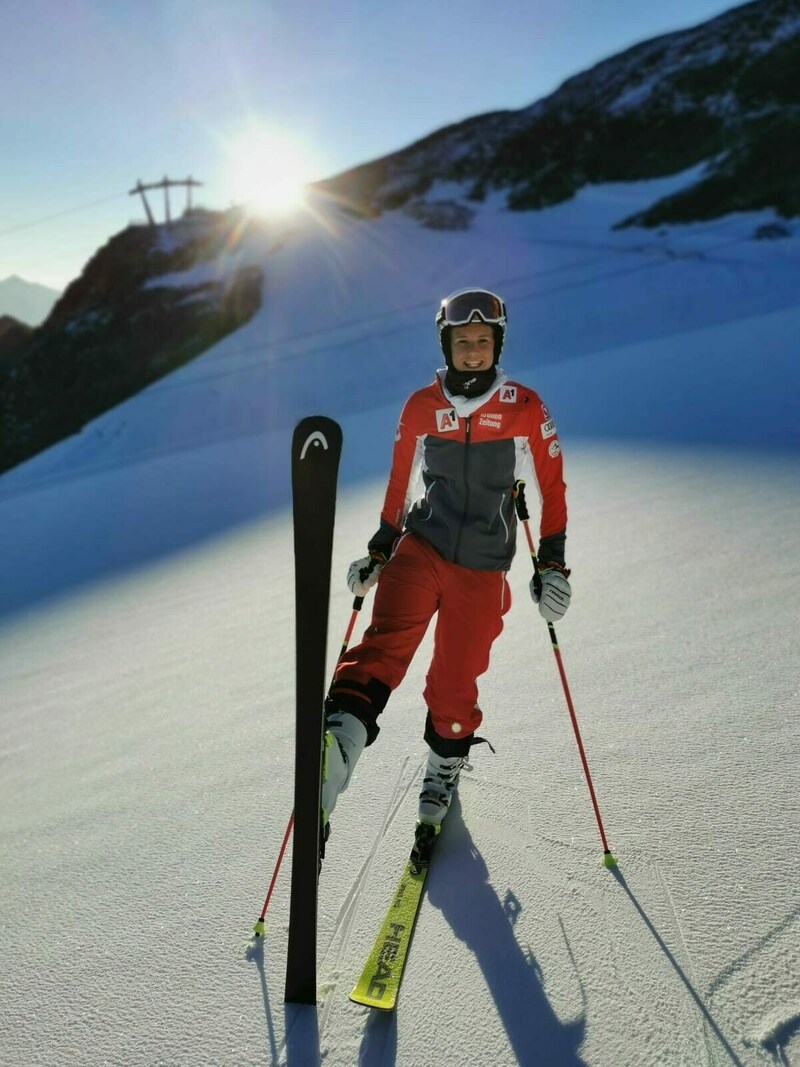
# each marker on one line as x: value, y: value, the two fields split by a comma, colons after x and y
x: 470, y: 434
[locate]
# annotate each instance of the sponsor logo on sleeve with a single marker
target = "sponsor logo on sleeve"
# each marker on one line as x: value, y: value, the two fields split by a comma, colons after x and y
x: 548, y: 429
x: 554, y: 449
x: 508, y: 394
x: 446, y: 420
x: 545, y: 412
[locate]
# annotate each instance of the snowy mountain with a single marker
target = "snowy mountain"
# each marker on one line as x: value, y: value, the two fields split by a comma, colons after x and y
x: 719, y: 102
x: 27, y: 302
x: 724, y: 95
x: 121, y: 325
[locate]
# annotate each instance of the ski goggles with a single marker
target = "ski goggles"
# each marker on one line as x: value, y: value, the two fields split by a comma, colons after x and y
x: 471, y: 305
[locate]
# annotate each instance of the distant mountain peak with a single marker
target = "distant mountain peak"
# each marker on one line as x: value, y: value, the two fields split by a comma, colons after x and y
x: 29, y: 302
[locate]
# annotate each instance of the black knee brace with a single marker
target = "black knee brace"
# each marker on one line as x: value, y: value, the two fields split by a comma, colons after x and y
x: 366, y: 702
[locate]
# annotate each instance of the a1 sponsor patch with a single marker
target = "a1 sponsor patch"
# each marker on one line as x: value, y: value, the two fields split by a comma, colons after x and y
x: 446, y: 420
x: 508, y: 394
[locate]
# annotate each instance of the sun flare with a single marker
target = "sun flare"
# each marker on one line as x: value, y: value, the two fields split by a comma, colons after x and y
x: 269, y: 170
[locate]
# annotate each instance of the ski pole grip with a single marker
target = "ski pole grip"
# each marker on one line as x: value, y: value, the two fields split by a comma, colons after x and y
x: 359, y: 600
x: 519, y: 500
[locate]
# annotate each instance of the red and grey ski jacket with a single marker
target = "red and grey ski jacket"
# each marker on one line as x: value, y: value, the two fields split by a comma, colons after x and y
x: 470, y: 452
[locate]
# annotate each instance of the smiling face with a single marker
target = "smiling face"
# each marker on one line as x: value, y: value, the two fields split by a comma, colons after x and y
x: 472, y: 347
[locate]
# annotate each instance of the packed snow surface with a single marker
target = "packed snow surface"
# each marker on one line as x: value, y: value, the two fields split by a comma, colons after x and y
x: 147, y: 688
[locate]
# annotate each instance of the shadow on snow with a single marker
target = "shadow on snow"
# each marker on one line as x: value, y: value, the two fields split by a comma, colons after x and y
x: 708, y: 1018
x: 485, y: 924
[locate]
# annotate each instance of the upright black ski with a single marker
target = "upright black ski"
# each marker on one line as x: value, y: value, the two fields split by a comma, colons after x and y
x: 316, y: 448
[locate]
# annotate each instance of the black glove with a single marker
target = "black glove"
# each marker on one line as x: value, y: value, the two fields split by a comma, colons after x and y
x: 381, y: 544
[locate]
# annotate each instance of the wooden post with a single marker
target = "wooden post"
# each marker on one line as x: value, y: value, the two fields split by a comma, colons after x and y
x: 189, y: 183
x: 140, y: 190
x: 164, y: 184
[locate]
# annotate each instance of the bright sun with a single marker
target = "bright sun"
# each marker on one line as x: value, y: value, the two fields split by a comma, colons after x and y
x: 269, y: 170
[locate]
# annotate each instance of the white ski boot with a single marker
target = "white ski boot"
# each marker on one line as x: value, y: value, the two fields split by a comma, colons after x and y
x: 345, y: 738
x: 438, y: 786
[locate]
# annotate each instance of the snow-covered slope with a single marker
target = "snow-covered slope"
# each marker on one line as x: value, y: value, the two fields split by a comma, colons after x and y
x: 146, y: 689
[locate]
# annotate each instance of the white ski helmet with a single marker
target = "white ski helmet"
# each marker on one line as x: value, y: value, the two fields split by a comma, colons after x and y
x: 471, y: 305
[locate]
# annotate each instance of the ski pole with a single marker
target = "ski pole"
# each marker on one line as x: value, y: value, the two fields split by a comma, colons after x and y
x: 522, y: 512
x: 359, y: 600
x: 258, y: 928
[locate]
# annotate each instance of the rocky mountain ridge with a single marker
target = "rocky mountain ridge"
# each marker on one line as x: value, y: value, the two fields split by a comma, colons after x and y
x: 725, y: 94
x: 123, y: 324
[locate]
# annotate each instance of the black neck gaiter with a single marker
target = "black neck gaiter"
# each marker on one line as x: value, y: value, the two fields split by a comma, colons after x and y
x: 469, y: 383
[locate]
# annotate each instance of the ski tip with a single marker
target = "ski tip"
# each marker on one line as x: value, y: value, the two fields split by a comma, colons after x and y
x: 608, y: 860
x: 258, y: 929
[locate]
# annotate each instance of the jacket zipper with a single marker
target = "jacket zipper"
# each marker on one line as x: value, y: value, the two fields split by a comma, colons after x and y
x: 467, y: 432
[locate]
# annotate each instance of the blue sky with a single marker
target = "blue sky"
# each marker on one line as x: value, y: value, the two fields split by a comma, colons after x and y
x: 95, y: 95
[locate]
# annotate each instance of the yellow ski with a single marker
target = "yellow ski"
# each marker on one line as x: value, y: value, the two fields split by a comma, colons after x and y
x: 380, y: 980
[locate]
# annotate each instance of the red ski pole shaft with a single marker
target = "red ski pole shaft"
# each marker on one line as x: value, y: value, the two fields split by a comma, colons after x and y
x: 357, y: 602
x: 258, y: 928
x: 522, y: 511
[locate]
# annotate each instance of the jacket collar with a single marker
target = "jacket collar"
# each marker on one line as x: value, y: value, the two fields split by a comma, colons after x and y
x: 466, y: 406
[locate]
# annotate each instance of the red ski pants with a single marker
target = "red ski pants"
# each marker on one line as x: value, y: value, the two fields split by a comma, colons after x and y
x: 415, y: 584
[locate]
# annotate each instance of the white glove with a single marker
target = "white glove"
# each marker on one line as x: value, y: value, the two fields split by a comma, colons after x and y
x: 362, y: 574
x: 555, y: 594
